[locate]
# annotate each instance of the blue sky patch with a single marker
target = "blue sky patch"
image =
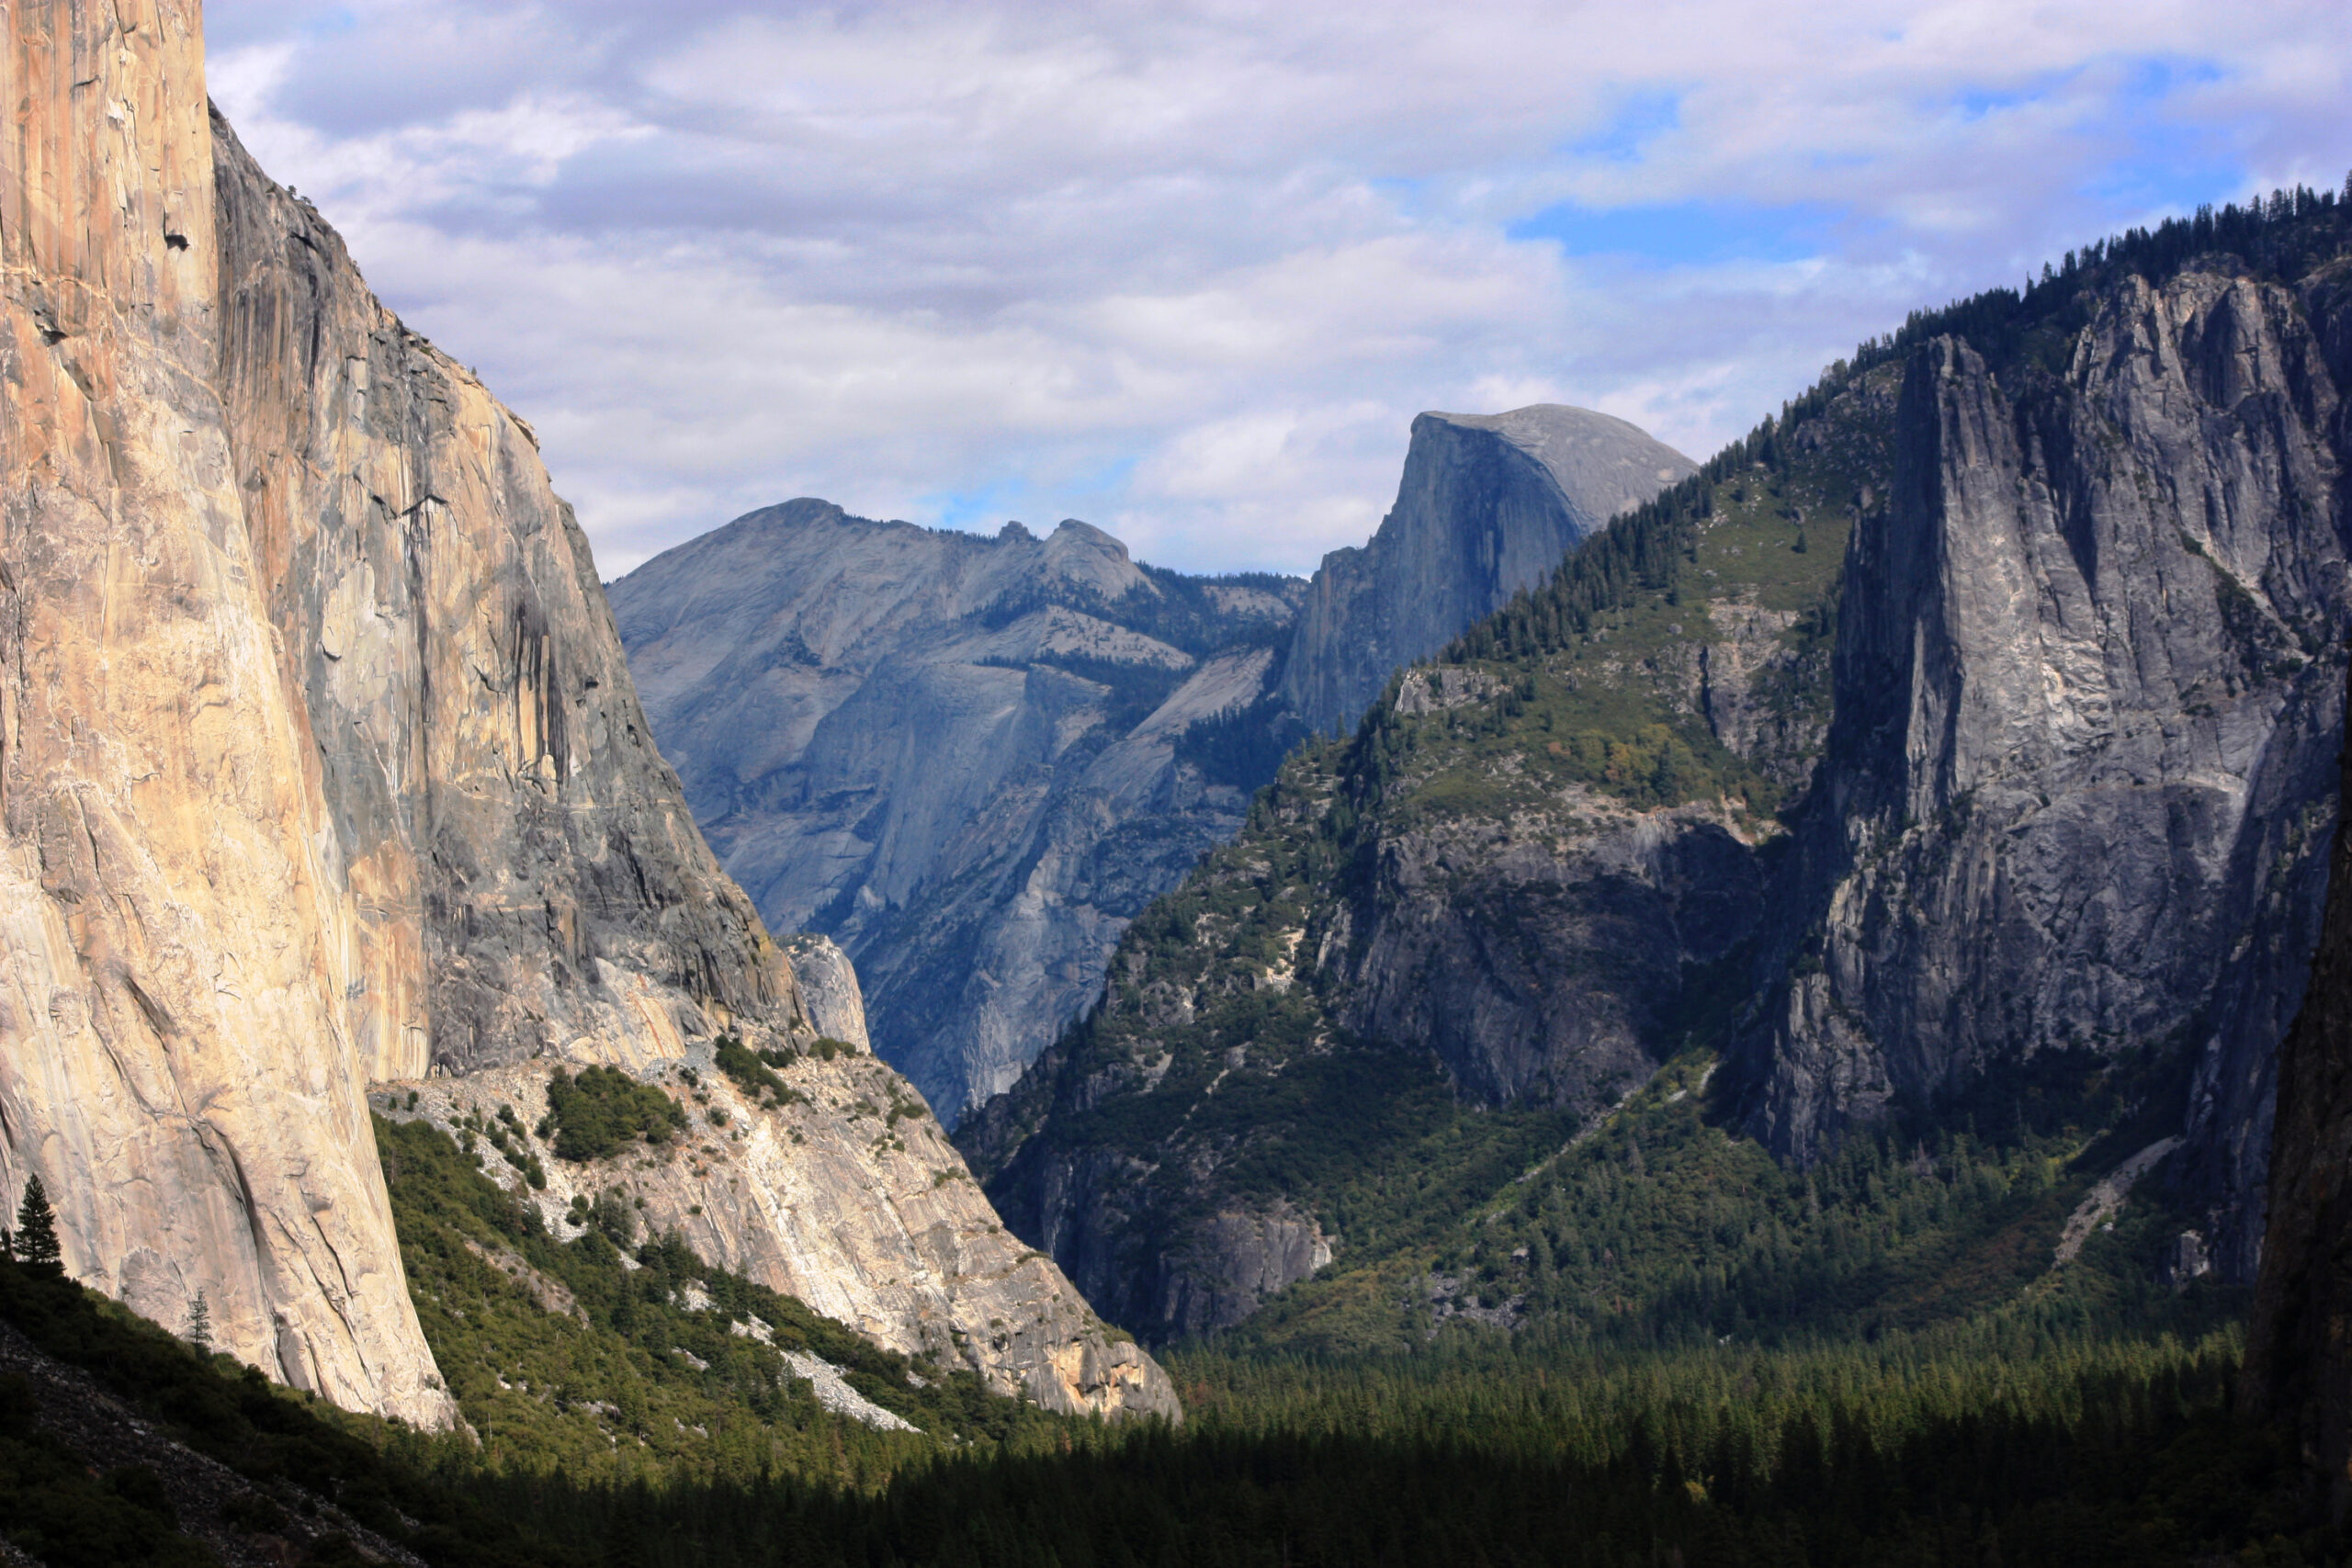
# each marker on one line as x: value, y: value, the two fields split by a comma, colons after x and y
x: 1686, y: 232
x: 1641, y: 119
x: 983, y: 509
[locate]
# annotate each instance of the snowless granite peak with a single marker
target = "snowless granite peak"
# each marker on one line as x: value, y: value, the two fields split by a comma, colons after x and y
x: 321, y: 764
x: 962, y: 756
x: 1487, y: 505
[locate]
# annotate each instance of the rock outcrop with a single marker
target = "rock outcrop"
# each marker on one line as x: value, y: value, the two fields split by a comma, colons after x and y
x: 1487, y: 505
x: 2298, y: 1341
x: 970, y: 761
x: 2089, y: 700
x: 319, y: 758
x: 847, y: 1196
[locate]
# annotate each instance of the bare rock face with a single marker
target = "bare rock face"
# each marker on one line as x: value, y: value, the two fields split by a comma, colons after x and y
x: 181, y: 1063
x: 2298, y: 1342
x: 528, y: 878
x: 1487, y: 505
x: 2090, y: 699
x: 1541, y: 957
x: 965, y: 759
x: 320, y: 760
x: 829, y: 990
x: 849, y: 1198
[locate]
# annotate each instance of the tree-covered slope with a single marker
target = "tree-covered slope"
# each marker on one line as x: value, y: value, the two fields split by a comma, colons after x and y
x: 1616, y: 824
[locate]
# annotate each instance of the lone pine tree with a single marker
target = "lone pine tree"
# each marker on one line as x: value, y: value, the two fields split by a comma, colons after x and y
x: 37, y: 1231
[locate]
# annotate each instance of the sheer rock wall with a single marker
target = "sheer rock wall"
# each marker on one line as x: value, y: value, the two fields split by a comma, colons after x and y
x: 320, y: 760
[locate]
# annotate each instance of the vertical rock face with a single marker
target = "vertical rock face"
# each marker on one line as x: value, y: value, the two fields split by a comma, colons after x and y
x: 2089, y: 699
x: 1487, y: 506
x: 320, y: 760
x: 527, y: 877
x: 829, y: 990
x: 180, y: 1062
x: 2298, y: 1345
x: 970, y: 761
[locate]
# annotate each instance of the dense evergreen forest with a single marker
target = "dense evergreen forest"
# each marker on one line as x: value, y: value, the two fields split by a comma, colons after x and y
x: 1623, y: 1337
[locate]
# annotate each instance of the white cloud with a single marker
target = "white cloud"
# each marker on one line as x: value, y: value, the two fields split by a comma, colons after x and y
x: 1189, y: 270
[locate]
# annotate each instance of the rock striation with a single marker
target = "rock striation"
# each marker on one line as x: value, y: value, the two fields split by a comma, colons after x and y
x: 319, y: 758
x: 1487, y: 505
x: 970, y: 761
x: 2298, y: 1372
x: 2089, y: 700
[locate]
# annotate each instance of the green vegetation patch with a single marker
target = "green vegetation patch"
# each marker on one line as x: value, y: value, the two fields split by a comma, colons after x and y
x: 603, y: 1111
x: 596, y: 1355
x: 752, y: 1073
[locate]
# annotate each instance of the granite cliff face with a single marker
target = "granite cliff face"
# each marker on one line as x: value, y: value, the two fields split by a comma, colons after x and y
x: 2043, y: 760
x: 2090, y: 697
x: 969, y: 761
x: 2298, y: 1371
x: 182, y: 1065
x: 1487, y: 505
x: 320, y: 762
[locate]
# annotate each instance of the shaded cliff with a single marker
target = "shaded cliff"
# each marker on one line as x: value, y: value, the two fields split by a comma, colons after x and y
x: 970, y: 761
x: 2299, y: 1343
x: 1487, y: 505
x: 323, y: 764
x: 2090, y: 679
x: 2030, y: 778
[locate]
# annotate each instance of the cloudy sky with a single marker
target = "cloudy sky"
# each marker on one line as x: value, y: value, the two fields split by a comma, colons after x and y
x: 1187, y: 270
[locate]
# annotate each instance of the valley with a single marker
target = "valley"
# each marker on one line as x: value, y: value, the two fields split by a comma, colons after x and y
x: 1779, y: 1009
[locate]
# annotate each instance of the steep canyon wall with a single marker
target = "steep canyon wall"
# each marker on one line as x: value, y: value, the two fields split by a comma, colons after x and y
x: 322, y: 762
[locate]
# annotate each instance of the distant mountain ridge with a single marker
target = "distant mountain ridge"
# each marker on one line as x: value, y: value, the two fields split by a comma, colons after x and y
x: 968, y: 759
x: 972, y: 760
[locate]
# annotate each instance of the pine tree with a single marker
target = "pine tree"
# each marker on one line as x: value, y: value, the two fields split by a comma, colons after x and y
x: 199, y: 1323
x: 37, y: 1231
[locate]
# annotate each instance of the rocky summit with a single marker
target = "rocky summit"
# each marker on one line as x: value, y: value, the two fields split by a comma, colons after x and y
x: 320, y: 766
x: 967, y: 760
x: 1487, y: 505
